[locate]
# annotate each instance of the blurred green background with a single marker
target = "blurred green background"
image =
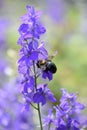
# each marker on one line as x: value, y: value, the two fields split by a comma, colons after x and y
x: 66, y: 24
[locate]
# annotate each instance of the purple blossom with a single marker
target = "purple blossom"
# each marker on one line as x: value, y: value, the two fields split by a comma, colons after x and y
x: 49, y: 118
x: 67, y: 113
x: 31, y: 28
x: 47, y: 74
x: 33, y: 50
x: 28, y: 83
x: 68, y: 101
x: 28, y: 100
x: 42, y: 94
x: 31, y: 15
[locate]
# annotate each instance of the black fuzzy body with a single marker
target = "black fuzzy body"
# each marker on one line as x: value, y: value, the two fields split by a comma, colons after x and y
x: 50, y: 66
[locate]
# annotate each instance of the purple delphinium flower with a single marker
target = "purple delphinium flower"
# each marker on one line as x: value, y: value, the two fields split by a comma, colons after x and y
x: 33, y: 50
x: 42, y: 94
x: 67, y: 113
x: 31, y: 28
x: 49, y: 120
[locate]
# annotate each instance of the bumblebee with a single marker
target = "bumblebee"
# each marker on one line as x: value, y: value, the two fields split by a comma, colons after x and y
x: 47, y: 64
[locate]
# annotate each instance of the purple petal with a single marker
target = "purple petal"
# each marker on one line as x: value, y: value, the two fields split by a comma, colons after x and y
x: 47, y: 74
x: 79, y: 107
x: 34, y: 55
x: 39, y: 98
x: 23, y: 28
x: 35, y: 44
x: 43, y: 54
x: 21, y: 59
x: 51, y: 97
x: 30, y: 10
x: 30, y: 46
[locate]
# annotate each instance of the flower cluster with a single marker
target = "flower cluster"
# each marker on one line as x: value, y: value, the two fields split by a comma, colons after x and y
x: 11, y: 117
x: 67, y: 113
x: 31, y: 66
x: 32, y: 51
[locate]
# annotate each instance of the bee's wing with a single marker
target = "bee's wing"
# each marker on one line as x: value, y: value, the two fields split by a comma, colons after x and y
x: 52, y: 56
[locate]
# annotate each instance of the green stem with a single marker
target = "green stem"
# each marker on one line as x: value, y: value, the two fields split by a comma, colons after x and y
x: 38, y: 106
x: 39, y: 113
